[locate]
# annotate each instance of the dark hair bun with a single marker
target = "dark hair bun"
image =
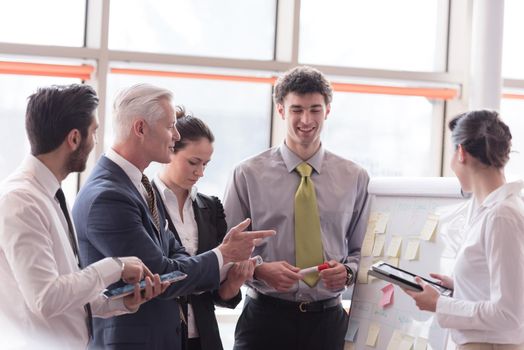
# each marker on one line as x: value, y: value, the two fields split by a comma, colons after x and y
x: 483, y: 135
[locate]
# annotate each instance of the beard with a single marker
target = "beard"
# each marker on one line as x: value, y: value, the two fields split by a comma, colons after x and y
x: 77, y: 160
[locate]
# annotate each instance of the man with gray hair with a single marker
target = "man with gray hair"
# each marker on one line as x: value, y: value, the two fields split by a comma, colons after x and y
x: 116, y: 211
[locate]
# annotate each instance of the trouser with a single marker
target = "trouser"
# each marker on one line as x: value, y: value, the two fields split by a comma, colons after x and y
x: 486, y: 346
x: 194, y: 344
x: 268, y: 323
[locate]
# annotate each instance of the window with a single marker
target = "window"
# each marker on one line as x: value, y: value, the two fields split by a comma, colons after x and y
x: 238, y: 113
x: 399, y: 35
x: 13, y: 102
x: 513, y: 52
x: 228, y: 28
x: 387, y: 135
x: 512, y: 112
x: 512, y: 109
x: 43, y: 22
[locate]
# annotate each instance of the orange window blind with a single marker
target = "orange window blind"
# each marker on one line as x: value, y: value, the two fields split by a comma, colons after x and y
x: 431, y: 93
x: 82, y: 72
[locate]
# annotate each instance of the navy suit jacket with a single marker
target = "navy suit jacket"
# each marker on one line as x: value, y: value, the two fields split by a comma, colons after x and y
x: 212, y: 227
x: 113, y: 219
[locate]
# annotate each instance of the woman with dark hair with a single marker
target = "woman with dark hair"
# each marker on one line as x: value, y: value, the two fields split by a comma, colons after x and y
x: 198, y: 223
x: 487, y: 307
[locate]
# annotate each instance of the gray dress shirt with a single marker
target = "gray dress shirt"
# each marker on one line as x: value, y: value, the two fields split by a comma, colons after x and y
x: 263, y: 188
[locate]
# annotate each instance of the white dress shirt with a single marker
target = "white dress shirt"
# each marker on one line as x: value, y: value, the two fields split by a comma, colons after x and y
x: 488, y: 304
x: 43, y: 291
x: 134, y: 174
x: 187, y: 230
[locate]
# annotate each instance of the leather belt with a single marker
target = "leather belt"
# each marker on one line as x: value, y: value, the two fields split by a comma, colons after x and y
x: 301, y: 306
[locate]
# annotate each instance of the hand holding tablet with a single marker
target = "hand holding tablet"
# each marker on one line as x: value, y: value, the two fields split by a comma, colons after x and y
x: 119, y: 292
x: 403, y: 279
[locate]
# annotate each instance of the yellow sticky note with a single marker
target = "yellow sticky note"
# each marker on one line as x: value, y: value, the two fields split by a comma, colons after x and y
x: 373, y: 217
x: 406, y: 343
x: 412, y: 250
x: 421, y: 344
x: 380, y: 226
x: 378, y: 247
x: 394, y: 342
x: 429, y: 227
x: 392, y: 261
x: 362, y: 276
x: 371, y: 227
x: 374, y: 329
x: 394, y: 246
x: 367, y: 244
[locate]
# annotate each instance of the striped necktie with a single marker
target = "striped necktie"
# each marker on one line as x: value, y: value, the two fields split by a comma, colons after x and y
x: 151, y: 201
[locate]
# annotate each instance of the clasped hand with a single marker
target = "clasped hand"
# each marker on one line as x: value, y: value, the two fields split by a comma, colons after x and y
x: 282, y: 276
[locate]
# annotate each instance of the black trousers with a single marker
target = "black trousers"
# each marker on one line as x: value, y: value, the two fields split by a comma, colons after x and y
x: 194, y: 344
x: 263, y: 325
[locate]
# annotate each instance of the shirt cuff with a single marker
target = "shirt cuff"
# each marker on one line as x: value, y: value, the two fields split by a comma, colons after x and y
x: 448, y: 306
x: 108, y: 270
x: 117, y: 307
x: 224, y: 270
x: 220, y: 258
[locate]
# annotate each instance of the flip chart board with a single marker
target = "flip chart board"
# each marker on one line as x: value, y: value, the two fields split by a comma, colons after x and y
x: 416, y: 224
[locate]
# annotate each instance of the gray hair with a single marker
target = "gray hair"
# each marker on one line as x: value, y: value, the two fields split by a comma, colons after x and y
x: 138, y: 101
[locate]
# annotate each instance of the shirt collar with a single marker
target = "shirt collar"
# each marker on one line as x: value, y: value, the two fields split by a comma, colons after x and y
x: 503, y: 192
x: 134, y: 174
x: 44, y: 176
x: 162, y: 188
x: 292, y: 160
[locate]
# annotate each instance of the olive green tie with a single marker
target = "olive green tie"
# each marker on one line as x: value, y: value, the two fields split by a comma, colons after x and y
x: 308, y: 243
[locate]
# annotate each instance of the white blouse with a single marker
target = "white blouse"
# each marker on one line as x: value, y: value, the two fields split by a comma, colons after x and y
x: 488, y: 301
x: 187, y: 230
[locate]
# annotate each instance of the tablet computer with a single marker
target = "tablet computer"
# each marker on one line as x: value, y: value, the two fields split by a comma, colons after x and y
x: 119, y: 292
x: 403, y: 278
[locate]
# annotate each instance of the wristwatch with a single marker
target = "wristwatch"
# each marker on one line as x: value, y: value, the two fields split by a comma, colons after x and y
x: 349, y: 275
x: 119, y: 262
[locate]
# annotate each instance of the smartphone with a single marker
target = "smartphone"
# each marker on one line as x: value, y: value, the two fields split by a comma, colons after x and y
x: 120, y: 292
x: 403, y: 278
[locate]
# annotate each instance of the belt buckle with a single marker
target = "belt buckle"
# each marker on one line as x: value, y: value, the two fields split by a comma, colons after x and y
x: 302, y: 306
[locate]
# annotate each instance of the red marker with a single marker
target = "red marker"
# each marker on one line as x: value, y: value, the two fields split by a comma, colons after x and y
x: 314, y: 269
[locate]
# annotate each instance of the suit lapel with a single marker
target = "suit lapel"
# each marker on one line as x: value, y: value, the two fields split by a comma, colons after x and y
x: 202, y: 218
x: 118, y: 173
x: 170, y: 224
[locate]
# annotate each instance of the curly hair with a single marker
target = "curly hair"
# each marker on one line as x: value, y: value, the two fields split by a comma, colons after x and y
x: 302, y: 80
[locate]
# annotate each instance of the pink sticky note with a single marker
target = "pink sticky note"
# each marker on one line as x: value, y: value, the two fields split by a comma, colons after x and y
x: 387, y: 295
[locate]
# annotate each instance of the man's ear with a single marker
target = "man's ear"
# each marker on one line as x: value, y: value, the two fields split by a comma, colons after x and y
x: 328, y: 109
x: 73, y: 139
x: 280, y: 110
x: 138, y: 127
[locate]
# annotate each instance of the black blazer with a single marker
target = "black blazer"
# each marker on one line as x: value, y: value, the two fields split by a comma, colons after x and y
x: 212, y: 227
